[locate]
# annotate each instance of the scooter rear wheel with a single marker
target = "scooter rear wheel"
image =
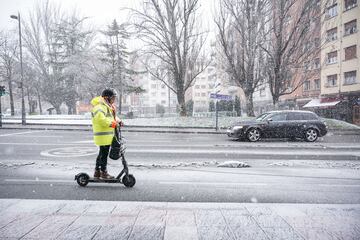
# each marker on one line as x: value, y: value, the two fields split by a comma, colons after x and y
x: 129, y: 180
x: 83, y: 179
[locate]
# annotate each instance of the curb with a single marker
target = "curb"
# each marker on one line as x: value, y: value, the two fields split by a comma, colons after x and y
x: 151, y: 129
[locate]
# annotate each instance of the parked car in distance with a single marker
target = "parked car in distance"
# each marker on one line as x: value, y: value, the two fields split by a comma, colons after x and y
x: 280, y: 124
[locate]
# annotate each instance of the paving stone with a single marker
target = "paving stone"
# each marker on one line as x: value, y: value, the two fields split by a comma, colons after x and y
x: 79, y: 232
x: 282, y: 234
x: 51, y: 227
x: 149, y: 232
x: 127, y: 209
x: 302, y: 222
x: 209, y: 218
x: 271, y: 221
x: 315, y: 233
x: 215, y: 233
x: 236, y: 211
x: 349, y: 234
x: 22, y: 225
x: 289, y: 211
x: 258, y: 210
x: 101, y: 207
x: 181, y: 233
x: 124, y: 220
x: 36, y: 207
x: 151, y: 217
x: 77, y: 207
x: 8, y: 217
x: 253, y: 232
x: 91, y: 220
x: 177, y: 218
x: 5, y: 203
x: 238, y: 220
x: 115, y: 232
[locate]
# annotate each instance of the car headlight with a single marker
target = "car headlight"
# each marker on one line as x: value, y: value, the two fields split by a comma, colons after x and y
x: 237, y: 128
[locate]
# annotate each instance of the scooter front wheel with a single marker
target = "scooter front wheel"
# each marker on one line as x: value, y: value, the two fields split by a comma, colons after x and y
x: 82, y: 179
x: 129, y: 180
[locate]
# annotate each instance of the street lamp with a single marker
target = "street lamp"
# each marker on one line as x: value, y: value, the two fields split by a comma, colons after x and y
x: 23, y: 116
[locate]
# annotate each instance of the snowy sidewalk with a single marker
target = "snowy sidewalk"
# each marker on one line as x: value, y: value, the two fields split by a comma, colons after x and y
x: 65, y: 219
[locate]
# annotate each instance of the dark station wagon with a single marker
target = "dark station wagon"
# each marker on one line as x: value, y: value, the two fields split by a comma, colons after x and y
x: 280, y: 124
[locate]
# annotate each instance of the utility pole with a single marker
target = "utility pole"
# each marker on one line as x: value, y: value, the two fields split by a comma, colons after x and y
x: 23, y: 114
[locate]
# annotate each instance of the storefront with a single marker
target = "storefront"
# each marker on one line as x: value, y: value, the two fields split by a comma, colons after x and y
x: 345, y: 108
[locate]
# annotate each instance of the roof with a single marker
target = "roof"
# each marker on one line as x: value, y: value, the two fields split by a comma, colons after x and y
x: 316, y: 103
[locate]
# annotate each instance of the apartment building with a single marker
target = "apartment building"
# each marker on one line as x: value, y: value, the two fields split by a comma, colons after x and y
x: 306, y: 78
x: 340, y: 81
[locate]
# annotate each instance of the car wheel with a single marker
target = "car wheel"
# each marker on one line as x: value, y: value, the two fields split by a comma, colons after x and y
x: 253, y: 135
x: 311, y: 135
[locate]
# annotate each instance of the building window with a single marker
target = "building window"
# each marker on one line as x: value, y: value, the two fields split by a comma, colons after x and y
x: 162, y: 86
x: 350, y: 27
x: 307, y: 85
x: 306, y: 66
x: 349, y: 4
x: 203, y: 94
x: 331, y: 11
x: 197, y: 94
x: 349, y: 77
x: 163, y: 102
x: 316, y: 63
x: 153, y: 94
x: 331, y: 34
x: 203, y: 86
x: 350, y: 52
x: 153, y: 85
x: 331, y: 80
x: 163, y: 94
x: 197, y: 86
x: 317, y: 84
x: 332, y: 57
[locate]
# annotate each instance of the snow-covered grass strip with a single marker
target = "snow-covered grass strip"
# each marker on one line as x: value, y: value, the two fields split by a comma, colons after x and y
x: 233, y: 164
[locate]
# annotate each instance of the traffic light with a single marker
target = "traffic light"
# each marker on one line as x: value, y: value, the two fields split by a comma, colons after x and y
x: 2, y: 90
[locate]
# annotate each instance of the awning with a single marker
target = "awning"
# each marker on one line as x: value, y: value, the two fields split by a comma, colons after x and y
x: 316, y: 103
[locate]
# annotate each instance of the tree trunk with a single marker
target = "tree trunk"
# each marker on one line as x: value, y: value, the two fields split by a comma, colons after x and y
x: 58, y: 111
x: 12, y: 107
x: 249, y: 105
x: 181, y: 101
x: 39, y: 100
x: 120, y: 103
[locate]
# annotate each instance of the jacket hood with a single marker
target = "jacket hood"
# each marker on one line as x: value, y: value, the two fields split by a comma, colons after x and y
x: 97, y: 100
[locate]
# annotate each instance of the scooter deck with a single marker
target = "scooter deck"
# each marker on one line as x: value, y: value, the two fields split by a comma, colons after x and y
x: 98, y: 180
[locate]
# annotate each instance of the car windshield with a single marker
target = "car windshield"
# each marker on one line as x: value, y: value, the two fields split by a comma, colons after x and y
x: 262, y: 116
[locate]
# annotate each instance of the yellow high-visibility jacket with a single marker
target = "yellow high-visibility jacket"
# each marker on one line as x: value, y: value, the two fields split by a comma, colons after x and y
x: 103, y: 121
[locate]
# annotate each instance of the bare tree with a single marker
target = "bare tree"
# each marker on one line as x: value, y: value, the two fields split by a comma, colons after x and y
x: 241, y: 26
x: 290, y: 44
x: 171, y: 33
x: 8, y: 61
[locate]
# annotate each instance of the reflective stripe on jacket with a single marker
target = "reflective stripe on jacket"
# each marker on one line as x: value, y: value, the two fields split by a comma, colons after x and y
x: 103, y: 122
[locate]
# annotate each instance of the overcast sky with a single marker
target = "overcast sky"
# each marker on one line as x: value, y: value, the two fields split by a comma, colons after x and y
x: 101, y: 12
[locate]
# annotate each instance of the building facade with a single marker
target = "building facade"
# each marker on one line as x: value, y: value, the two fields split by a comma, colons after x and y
x: 340, y: 81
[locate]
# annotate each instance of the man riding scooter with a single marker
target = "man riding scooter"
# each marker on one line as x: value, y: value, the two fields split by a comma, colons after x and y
x: 104, y: 121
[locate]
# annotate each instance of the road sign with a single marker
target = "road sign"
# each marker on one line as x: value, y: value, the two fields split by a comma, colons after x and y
x: 220, y: 96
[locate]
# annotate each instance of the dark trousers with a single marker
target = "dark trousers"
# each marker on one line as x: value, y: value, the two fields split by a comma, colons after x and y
x: 101, y: 160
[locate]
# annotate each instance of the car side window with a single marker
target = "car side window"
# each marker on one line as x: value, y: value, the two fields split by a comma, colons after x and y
x: 295, y: 116
x: 279, y: 117
x: 309, y: 116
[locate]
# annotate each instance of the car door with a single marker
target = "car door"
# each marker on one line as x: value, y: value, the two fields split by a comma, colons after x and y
x: 275, y: 125
x: 294, y: 124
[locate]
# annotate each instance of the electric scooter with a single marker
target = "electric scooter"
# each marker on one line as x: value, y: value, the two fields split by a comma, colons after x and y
x: 117, y: 151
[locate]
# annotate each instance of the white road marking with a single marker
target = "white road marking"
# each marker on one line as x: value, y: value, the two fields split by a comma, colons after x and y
x: 37, y: 180
x: 42, y: 144
x: 214, y: 183
x: 18, y: 133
